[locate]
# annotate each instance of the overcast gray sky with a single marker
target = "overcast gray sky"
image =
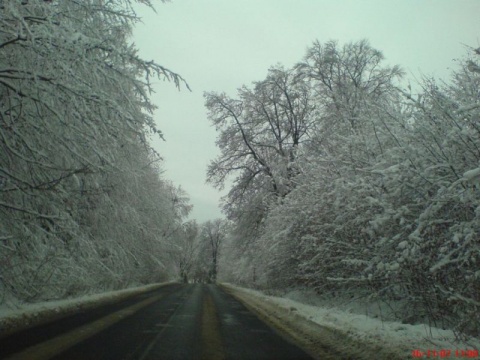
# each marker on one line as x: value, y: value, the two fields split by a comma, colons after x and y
x: 219, y: 45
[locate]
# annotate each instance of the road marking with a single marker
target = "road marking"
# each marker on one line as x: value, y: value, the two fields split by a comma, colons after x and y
x: 212, y: 347
x: 152, y: 343
x: 163, y: 325
x: 55, y: 346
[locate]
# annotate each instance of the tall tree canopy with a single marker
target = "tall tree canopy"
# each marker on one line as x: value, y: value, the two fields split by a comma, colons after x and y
x: 75, y: 165
x: 384, y: 199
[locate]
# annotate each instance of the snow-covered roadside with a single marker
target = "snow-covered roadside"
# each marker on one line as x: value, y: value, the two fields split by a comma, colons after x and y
x: 403, y: 340
x: 28, y: 315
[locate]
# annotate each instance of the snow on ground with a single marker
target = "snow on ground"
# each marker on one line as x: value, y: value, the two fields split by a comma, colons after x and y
x: 28, y: 315
x: 413, y: 341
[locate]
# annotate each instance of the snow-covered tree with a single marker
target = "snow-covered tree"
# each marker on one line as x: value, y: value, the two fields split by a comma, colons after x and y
x: 184, y: 251
x: 74, y: 123
x: 212, y: 237
x: 385, y: 202
x: 260, y: 132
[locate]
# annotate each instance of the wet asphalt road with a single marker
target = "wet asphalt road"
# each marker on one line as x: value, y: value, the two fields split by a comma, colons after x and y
x: 193, y: 321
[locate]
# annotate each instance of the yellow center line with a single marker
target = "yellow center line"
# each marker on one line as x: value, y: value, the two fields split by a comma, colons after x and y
x: 212, y: 347
x: 55, y: 346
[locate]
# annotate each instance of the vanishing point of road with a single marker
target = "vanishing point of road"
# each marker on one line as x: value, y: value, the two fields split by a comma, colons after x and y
x: 191, y: 321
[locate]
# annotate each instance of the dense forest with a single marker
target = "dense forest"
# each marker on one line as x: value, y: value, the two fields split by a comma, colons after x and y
x: 352, y: 181
x: 84, y: 206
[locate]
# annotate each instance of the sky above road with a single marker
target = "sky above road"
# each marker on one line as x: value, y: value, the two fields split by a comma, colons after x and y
x: 220, y: 45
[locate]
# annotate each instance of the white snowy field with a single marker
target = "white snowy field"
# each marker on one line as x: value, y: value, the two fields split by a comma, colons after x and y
x: 406, y: 341
x: 27, y: 315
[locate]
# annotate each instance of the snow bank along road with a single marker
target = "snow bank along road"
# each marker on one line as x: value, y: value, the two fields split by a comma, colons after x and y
x: 184, y: 322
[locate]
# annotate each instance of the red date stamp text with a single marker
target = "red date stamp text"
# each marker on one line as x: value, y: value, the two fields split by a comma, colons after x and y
x: 445, y: 353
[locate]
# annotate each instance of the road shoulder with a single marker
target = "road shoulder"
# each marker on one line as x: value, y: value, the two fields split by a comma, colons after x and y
x: 319, y: 341
x: 32, y: 315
